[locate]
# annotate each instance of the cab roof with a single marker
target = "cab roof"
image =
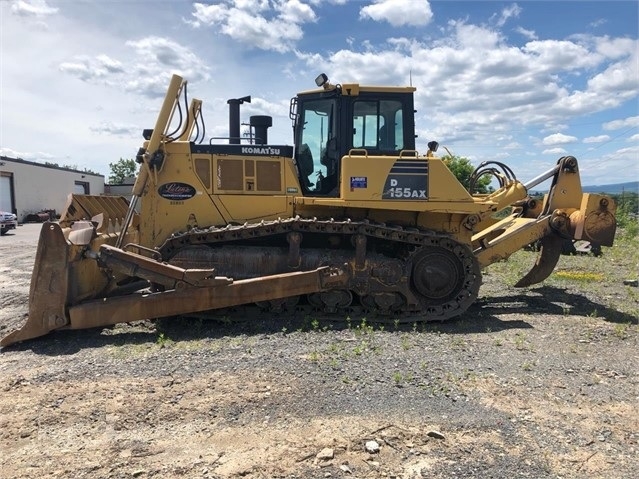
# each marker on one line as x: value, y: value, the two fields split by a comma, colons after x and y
x: 354, y: 89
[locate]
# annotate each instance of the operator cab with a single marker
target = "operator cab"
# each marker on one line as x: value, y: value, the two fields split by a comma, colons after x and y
x: 338, y: 120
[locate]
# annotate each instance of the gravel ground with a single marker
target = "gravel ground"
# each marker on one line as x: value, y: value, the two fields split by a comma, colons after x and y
x: 539, y: 383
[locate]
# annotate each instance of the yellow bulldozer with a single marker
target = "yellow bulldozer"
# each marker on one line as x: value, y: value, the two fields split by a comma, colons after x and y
x: 350, y: 218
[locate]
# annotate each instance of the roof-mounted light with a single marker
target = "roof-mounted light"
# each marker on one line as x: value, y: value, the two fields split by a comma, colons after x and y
x: 321, y: 79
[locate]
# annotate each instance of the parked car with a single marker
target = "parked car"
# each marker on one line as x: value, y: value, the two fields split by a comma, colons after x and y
x: 8, y: 221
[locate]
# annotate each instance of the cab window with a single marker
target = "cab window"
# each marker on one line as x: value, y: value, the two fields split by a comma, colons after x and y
x: 378, y: 125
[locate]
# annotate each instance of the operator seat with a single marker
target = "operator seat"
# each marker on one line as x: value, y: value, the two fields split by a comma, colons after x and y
x: 305, y: 164
x: 383, y: 143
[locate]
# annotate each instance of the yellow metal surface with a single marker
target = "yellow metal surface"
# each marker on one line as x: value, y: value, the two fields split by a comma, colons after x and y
x: 250, y: 176
x: 244, y: 208
x: 595, y: 220
x: 549, y: 254
x: 507, y: 236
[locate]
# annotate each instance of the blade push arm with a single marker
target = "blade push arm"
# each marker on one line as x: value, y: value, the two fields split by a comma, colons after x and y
x: 566, y: 213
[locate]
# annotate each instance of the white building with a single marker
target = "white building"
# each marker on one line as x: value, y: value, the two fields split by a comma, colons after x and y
x: 27, y: 187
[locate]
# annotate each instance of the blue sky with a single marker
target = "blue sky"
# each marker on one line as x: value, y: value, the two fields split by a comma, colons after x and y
x: 520, y: 82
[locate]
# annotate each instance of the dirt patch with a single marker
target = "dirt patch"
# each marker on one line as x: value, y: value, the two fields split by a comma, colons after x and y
x: 535, y: 383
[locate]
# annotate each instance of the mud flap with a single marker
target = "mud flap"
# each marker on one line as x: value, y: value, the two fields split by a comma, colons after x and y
x: 546, y: 261
x: 49, y: 284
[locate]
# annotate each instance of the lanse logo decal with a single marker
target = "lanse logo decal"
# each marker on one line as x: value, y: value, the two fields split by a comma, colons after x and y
x: 176, y: 191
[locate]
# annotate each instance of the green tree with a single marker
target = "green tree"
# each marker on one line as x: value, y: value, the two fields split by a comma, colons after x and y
x: 627, y: 202
x: 462, y: 168
x: 121, y: 170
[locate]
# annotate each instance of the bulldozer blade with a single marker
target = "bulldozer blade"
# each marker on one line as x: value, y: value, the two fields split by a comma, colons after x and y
x: 49, y: 284
x: 549, y: 254
x: 110, y: 311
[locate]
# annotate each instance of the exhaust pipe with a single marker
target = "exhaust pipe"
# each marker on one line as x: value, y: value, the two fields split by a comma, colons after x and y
x: 234, y: 118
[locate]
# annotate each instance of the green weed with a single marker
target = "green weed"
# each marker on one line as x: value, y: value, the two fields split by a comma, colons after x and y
x: 163, y: 340
x: 621, y: 330
x: 527, y: 366
x: 520, y: 341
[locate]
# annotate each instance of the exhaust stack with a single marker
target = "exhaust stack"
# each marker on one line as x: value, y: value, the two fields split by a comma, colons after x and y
x: 234, y: 118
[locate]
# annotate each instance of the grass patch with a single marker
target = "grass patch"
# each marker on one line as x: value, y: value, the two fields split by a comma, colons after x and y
x: 580, y: 276
x: 598, y: 280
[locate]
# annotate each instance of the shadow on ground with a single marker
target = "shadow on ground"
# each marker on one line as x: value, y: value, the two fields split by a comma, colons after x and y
x: 552, y: 300
x: 486, y: 315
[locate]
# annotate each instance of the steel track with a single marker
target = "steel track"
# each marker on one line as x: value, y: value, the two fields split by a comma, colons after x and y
x: 409, y: 245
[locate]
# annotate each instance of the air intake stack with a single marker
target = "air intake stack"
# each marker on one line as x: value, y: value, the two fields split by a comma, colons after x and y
x: 260, y: 125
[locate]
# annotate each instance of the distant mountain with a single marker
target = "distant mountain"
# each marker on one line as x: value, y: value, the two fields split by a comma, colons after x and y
x: 616, y: 189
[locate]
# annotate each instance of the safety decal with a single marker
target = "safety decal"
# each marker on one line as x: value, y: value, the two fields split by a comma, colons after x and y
x: 359, y: 182
x: 407, y: 180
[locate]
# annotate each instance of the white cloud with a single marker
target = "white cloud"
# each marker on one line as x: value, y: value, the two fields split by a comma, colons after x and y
x: 512, y: 11
x: 596, y: 139
x: 467, y: 98
x: 116, y: 129
x: 334, y: 2
x: 148, y: 73
x: 623, y: 160
x: 620, y: 78
x: 631, y: 152
x: 615, y: 48
x: 629, y: 122
x: 87, y: 69
x: 166, y: 54
x: 398, y: 12
x: 32, y: 8
x: 558, y: 139
x: 554, y: 151
x: 530, y: 34
x: 27, y: 155
x: 474, y: 37
x: 208, y: 14
x: 296, y: 12
x: 562, y: 55
x: 259, y: 105
x: 511, y: 146
x: 634, y: 137
x: 257, y: 24
x: 253, y: 5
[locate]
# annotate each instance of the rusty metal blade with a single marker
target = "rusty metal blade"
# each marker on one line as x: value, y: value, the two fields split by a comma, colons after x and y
x: 546, y: 261
x: 49, y: 285
x: 124, y: 309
